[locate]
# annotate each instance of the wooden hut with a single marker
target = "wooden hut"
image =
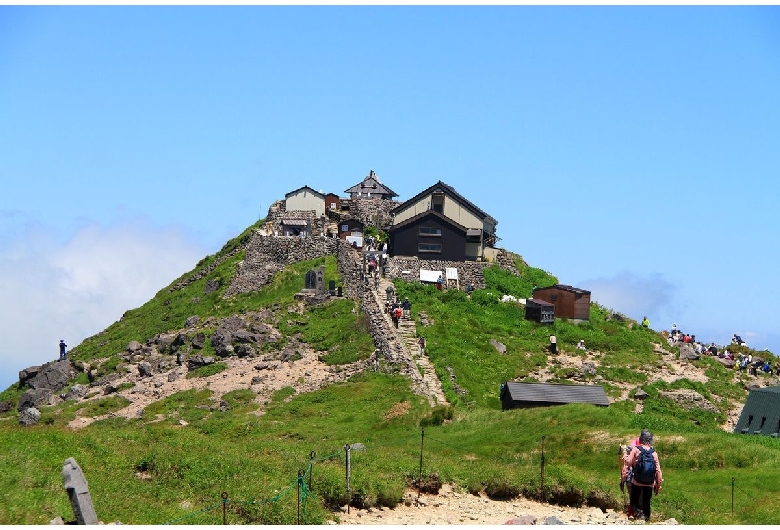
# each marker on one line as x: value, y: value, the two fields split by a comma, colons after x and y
x: 570, y: 302
x: 527, y: 395
x: 761, y: 413
x: 539, y: 311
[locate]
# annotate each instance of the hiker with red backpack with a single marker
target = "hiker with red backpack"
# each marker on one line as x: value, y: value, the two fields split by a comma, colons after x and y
x: 643, y: 472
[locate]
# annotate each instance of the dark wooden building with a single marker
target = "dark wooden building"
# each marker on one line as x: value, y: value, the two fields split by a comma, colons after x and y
x: 332, y: 202
x: 349, y: 227
x: 539, y: 311
x: 761, y: 413
x: 570, y: 302
x: 527, y: 395
x: 429, y: 235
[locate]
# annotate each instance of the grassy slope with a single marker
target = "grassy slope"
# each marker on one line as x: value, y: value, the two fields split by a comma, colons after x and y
x: 148, y: 473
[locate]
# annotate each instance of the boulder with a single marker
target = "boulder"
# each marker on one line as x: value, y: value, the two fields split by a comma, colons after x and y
x: 5, y: 406
x: 588, y: 368
x: 53, y: 375
x: 244, y: 350
x: 191, y: 321
x: 134, y: 346
x: 500, y: 348
x: 34, y: 397
x: 144, y: 369
x: 199, y: 340
x: 687, y: 353
x: 245, y: 337
x: 197, y: 361
x: 77, y: 391
x: 29, y: 416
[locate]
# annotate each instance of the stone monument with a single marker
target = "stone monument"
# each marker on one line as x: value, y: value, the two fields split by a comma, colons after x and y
x: 78, y: 492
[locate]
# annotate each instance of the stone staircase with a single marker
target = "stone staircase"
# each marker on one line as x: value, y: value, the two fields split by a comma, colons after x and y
x: 406, y: 335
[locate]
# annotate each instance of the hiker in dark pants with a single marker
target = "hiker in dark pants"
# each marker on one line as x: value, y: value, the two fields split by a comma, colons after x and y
x: 642, y: 487
x: 63, y: 354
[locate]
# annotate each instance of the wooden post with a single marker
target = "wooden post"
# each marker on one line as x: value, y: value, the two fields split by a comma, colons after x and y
x: 300, y: 483
x: 224, y: 507
x: 349, y: 496
x: 544, y: 495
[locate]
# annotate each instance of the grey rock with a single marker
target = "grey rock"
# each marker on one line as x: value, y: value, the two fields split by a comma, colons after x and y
x: 77, y: 391
x: 244, y: 350
x: 34, y: 397
x: 29, y: 416
x: 191, y: 321
x: 5, y: 406
x: 500, y: 348
x: 199, y: 340
x: 688, y: 353
x: 133, y: 346
x: 144, y: 369
x: 173, y: 376
x: 552, y: 520
x: 196, y: 361
x: 54, y: 375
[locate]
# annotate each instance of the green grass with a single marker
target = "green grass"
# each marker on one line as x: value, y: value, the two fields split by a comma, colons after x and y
x: 174, y: 461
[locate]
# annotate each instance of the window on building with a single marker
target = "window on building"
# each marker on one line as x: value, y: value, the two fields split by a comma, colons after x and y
x: 429, y: 231
x: 437, y: 202
x: 429, y: 247
x: 345, y: 228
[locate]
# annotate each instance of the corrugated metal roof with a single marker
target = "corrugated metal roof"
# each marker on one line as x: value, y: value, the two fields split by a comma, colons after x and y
x: 539, y: 302
x: 294, y: 222
x: 556, y: 393
x: 563, y: 287
x: 761, y: 413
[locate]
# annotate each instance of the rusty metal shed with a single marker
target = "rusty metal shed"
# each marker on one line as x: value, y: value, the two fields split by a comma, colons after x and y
x: 570, y: 302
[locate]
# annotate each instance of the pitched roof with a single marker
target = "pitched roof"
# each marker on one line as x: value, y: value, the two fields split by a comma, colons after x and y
x: 293, y: 192
x: 762, y: 407
x: 450, y: 191
x: 549, y: 393
x: 371, y: 184
x: 562, y: 287
x: 430, y: 213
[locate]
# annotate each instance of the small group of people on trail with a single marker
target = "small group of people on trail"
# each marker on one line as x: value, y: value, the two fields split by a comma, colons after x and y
x: 641, y: 473
x: 398, y: 310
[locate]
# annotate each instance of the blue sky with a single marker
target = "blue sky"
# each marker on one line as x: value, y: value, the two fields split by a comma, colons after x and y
x: 632, y: 151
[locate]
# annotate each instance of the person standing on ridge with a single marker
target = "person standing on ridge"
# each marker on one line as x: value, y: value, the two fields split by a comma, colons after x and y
x: 63, y: 353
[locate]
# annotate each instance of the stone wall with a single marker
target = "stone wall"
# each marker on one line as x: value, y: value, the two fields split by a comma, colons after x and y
x: 267, y: 255
x: 368, y: 211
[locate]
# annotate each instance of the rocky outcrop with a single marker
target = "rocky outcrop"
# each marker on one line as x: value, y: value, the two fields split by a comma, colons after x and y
x: 54, y: 376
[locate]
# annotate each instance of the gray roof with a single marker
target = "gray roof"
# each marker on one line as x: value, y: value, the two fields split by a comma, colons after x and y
x: 448, y: 190
x: 556, y: 394
x: 312, y: 190
x: 562, y: 287
x: 371, y: 184
x: 763, y: 404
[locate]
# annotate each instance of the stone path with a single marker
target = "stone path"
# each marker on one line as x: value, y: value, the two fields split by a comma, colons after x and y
x: 406, y: 334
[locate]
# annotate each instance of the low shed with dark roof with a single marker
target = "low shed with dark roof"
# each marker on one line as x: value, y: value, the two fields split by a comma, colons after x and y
x: 761, y: 413
x: 527, y: 395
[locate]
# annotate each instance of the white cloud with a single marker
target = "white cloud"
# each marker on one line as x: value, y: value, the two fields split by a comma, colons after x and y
x: 636, y: 296
x: 72, y: 290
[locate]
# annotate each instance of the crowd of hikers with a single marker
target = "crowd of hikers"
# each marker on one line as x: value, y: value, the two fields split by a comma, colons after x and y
x: 741, y: 361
